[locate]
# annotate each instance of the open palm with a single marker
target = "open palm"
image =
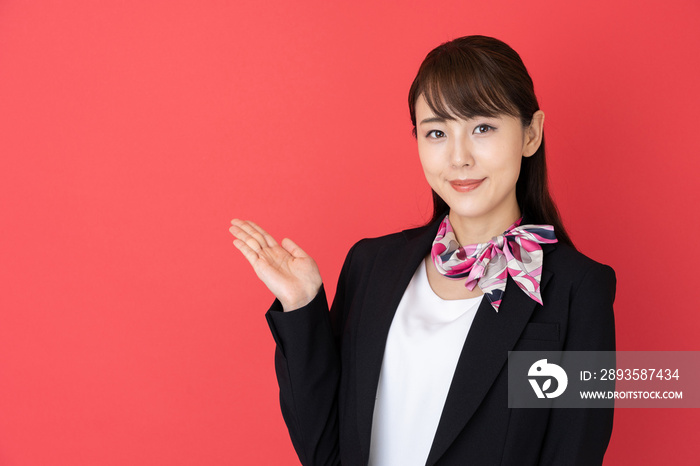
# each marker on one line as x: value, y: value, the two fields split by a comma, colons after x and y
x: 287, y: 271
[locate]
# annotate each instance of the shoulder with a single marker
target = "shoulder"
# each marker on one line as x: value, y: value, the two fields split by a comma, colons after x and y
x: 365, y: 253
x: 574, y: 267
x: 369, y: 248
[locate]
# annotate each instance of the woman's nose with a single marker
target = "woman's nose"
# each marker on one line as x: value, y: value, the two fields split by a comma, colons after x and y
x: 461, y: 154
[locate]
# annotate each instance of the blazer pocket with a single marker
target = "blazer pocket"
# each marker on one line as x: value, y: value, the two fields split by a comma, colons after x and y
x: 540, y: 331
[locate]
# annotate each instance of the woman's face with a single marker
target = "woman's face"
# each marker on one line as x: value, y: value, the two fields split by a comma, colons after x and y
x: 473, y: 164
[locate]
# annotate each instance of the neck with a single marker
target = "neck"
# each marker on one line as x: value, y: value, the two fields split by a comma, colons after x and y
x: 470, y: 230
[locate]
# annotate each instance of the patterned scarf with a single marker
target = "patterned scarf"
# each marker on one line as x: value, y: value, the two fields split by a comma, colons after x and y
x: 517, y: 252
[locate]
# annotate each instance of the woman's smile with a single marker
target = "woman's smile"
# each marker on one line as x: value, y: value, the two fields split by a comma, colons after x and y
x: 464, y: 186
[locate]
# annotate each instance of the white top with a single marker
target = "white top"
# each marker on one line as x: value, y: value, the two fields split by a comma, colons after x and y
x: 424, y: 343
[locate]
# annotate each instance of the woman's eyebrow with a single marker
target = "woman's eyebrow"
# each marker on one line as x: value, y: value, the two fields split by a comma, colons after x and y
x: 433, y: 120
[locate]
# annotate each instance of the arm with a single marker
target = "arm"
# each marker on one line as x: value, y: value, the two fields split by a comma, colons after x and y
x: 307, y: 364
x: 579, y: 436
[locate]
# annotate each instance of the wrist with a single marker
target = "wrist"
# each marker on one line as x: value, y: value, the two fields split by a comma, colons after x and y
x: 299, y: 301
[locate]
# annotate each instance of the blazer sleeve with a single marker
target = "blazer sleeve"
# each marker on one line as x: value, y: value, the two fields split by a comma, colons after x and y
x: 580, y: 436
x: 307, y: 364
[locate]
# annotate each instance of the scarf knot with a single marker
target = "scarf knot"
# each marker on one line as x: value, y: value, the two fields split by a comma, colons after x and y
x: 517, y: 252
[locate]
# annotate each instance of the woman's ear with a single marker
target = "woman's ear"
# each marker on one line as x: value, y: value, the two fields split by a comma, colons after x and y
x: 533, y: 134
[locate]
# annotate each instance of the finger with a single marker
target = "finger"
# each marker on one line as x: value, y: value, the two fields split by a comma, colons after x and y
x: 293, y: 248
x: 268, y: 237
x: 269, y: 240
x: 251, y: 242
x: 238, y: 232
x: 247, y: 251
x: 253, y: 233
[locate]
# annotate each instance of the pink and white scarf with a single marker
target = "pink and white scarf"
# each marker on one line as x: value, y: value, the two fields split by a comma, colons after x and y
x: 517, y: 252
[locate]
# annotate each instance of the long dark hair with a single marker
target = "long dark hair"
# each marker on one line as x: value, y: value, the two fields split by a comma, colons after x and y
x: 482, y: 76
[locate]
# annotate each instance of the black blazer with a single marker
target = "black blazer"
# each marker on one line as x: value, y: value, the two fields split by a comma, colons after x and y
x: 328, y: 364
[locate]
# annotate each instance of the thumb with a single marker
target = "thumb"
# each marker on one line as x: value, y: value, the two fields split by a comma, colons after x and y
x: 293, y: 248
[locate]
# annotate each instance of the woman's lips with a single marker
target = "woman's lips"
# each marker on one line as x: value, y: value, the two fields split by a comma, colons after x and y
x: 464, y: 186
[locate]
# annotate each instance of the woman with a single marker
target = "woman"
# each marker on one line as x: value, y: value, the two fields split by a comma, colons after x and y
x: 409, y: 366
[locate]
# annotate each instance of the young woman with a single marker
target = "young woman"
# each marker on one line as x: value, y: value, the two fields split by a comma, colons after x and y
x: 409, y: 367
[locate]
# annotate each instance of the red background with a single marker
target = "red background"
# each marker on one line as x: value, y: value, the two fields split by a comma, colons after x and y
x: 131, y: 132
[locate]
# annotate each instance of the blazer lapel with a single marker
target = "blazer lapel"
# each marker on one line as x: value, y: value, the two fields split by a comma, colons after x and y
x: 484, y: 355
x: 390, y: 277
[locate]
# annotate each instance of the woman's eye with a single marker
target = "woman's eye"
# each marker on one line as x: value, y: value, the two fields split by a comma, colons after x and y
x: 482, y: 129
x: 435, y: 134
